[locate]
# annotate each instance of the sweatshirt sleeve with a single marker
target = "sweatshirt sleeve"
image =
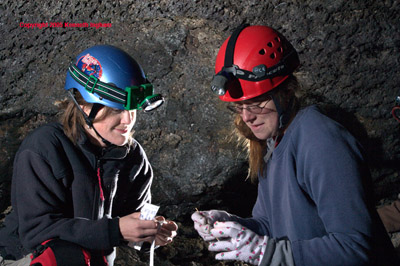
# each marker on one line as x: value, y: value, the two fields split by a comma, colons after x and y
x: 332, y: 170
x: 41, y: 201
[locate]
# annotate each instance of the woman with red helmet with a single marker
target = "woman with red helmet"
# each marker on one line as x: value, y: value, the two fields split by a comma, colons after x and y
x: 311, y: 208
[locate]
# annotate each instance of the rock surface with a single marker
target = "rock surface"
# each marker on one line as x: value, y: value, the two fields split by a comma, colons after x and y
x: 350, y: 64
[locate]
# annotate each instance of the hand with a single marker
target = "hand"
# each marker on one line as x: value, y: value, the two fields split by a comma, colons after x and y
x: 237, y: 243
x: 204, y: 221
x: 166, y: 232
x: 135, y: 230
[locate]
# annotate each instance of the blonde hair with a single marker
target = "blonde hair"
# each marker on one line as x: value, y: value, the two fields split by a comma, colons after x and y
x: 285, y: 93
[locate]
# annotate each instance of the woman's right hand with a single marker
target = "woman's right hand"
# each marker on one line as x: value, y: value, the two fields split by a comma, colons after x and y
x: 204, y: 221
x: 136, y: 230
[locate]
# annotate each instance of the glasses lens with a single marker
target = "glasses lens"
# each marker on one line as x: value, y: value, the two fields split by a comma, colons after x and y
x: 255, y: 109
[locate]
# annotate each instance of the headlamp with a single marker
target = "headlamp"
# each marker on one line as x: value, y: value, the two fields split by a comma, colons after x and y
x: 152, y: 102
x: 219, y: 81
x: 142, y: 98
x: 258, y: 73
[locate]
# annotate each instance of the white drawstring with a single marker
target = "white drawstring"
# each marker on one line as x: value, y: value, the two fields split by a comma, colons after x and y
x: 148, y: 212
x: 151, y: 263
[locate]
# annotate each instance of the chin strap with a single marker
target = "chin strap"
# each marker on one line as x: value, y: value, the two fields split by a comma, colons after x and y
x: 284, y: 115
x: 89, y: 119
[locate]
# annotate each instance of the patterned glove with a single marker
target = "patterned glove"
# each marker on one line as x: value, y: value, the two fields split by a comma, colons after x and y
x: 237, y: 243
x: 204, y: 221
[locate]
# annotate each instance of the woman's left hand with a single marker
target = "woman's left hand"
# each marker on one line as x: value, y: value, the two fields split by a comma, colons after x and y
x: 166, y: 232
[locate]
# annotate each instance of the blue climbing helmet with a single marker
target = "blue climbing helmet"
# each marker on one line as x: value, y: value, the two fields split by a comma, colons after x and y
x: 108, y: 76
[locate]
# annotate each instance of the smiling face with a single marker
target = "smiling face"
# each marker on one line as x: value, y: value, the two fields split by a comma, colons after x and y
x: 112, y: 124
x: 260, y: 116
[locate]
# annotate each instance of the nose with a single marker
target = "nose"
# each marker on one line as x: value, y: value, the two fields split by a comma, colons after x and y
x: 247, y: 116
x: 127, y: 117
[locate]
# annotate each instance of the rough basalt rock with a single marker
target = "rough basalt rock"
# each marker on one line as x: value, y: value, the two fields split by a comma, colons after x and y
x: 350, y: 64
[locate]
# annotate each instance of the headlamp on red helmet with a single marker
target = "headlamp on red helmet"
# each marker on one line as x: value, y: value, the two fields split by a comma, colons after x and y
x: 254, y: 60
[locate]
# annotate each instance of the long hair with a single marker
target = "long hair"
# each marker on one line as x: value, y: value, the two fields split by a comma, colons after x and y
x: 285, y: 93
x: 72, y: 118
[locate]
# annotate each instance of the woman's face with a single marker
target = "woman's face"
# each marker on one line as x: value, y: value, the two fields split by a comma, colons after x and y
x: 260, y: 116
x: 115, y: 127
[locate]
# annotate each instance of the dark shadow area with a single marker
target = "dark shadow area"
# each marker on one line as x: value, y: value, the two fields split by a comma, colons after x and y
x: 5, y: 197
x: 239, y: 195
x: 350, y: 122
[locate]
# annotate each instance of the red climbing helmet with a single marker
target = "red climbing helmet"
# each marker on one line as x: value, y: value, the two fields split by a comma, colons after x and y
x: 251, y: 62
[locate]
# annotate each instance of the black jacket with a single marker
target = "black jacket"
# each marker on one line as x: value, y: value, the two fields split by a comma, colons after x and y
x: 56, y: 192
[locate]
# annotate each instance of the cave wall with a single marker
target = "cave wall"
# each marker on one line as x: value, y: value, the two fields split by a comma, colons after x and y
x: 350, y: 65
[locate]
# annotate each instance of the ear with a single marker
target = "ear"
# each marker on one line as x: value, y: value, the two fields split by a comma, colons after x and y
x: 86, y: 108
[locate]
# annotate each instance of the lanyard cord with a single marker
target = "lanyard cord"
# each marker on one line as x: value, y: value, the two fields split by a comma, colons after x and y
x: 100, y: 186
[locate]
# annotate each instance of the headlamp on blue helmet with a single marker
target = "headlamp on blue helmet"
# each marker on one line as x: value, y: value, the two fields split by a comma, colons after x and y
x: 108, y: 76
x: 142, y: 97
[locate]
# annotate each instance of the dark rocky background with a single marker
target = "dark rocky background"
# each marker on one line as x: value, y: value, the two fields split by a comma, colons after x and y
x: 350, y: 64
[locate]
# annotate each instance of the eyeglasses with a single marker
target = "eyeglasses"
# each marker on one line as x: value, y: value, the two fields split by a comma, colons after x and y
x: 254, y: 109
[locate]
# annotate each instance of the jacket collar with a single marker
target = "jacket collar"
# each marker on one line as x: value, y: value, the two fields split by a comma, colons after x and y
x: 111, y: 152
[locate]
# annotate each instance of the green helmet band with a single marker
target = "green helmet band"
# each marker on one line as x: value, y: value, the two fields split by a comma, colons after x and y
x: 134, y: 97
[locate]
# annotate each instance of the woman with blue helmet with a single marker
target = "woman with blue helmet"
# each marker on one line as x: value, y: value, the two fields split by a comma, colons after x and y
x: 80, y: 184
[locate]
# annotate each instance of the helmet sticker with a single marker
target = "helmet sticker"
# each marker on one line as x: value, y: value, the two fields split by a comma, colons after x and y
x: 90, y: 66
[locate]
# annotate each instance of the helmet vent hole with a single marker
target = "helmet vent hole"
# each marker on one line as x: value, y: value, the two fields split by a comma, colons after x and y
x: 262, y: 52
x: 272, y: 56
x: 277, y: 39
x: 280, y: 50
x: 270, y: 44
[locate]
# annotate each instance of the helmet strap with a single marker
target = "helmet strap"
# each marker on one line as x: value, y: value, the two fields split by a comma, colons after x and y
x: 95, y: 109
x: 93, y: 112
x: 283, y: 114
x: 230, y: 47
x: 89, y: 119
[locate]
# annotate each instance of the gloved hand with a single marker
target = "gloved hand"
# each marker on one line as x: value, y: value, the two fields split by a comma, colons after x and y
x: 204, y: 221
x: 237, y: 243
